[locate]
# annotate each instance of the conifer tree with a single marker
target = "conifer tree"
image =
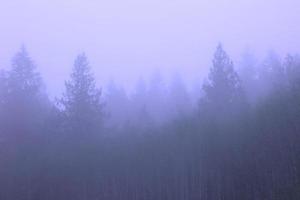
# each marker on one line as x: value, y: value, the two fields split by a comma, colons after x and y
x: 81, y: 102
x: 24, y: 99
x: 223, y: 91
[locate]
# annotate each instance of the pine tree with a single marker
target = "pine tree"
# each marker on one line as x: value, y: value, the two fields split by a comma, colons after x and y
x: 24, y: 81
x: 23, y: 114
x: 223, y: 91
x: 81, y: 102
x: 24, y: 98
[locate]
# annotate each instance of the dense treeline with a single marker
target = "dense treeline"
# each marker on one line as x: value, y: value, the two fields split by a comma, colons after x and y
x: 240, y: 140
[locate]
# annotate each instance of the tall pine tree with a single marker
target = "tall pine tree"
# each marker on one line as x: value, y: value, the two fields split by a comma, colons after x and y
x: 223, y: 90
x: 81, y: 102
x: 24, y: 99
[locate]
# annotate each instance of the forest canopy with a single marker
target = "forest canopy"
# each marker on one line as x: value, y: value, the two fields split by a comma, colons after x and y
x: 235, y: 138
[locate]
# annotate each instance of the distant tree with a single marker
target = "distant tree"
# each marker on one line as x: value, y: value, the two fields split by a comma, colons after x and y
x: 23, y: 78
x: 81, y: 102
x: 117, y: 105
x: 179, y: 99
x: 140, y: 105
x: 157, y: 98
x: 292, y: 66
x: 140, y: 89
x: 272, y: 76
x: 3, y: 101
x: 249, y: 75
x: 139, y: 95
x: 223, y: 92
x: 24, y: 98
x: 3, y: 86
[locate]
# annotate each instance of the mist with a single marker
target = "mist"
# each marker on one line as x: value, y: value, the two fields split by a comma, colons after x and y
x: 128, y: 39
x: 162, y: 100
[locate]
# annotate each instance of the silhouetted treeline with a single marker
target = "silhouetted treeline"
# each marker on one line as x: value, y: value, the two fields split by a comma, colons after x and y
x: 239, y: 140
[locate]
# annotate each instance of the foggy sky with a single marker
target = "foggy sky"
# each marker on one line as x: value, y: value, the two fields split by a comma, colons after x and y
x: 128, y: 38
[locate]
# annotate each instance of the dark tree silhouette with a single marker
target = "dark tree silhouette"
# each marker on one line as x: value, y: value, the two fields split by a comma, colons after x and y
x: 223, y: 92
x: 81, y: 101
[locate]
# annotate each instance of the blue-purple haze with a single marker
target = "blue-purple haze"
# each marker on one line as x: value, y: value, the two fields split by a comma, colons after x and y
x: 125, y: 39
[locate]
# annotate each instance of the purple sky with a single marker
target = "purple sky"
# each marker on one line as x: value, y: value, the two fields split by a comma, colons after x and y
x: 128, y: 38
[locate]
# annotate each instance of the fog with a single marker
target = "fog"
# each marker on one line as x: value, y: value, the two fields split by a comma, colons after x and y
x: 128, y: 39
x: 149, y: 100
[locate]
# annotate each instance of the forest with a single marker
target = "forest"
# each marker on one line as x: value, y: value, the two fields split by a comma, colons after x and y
x: 236, y: 139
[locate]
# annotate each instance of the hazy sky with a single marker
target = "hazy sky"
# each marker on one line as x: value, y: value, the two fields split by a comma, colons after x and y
x: 128, y: 38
